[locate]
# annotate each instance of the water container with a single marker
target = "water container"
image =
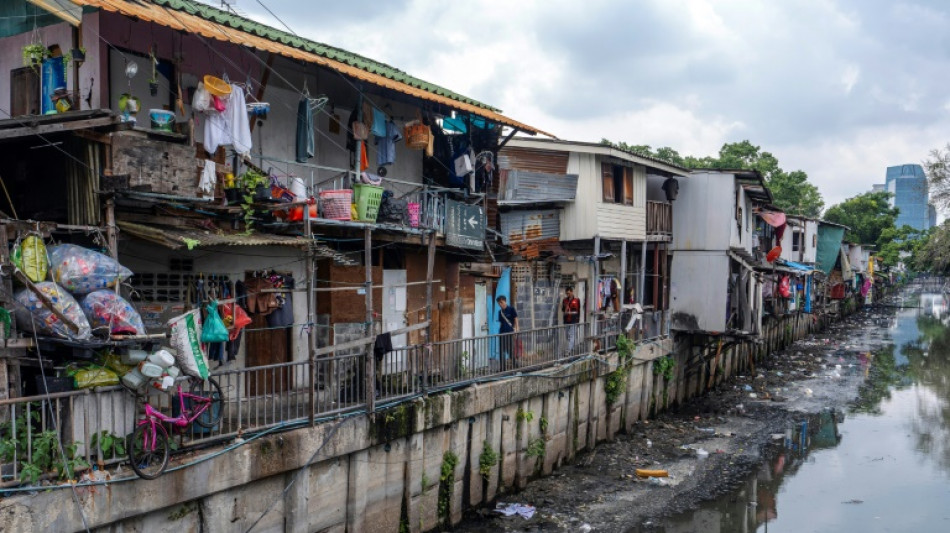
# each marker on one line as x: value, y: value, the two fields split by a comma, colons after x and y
x: 133, y: 379
x: 167, y: 382
x: 162, y: 358
x: 150, y: 370
x: 298, y: 187
x: 134, y: 357
x: 173, y: 371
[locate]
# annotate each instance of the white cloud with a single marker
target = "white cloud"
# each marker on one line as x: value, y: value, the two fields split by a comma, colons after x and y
x: 850, y: 77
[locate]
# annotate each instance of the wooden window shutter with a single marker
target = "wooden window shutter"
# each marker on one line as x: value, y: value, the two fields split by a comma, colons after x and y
x: 627, y: 186
x: 607, y: 173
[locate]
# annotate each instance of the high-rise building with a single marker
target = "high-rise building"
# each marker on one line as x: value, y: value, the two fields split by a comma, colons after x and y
x: 910, y: 193
x: 879, y: 187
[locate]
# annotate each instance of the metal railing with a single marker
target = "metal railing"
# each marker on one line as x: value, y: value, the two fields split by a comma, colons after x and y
x: 265, y: 397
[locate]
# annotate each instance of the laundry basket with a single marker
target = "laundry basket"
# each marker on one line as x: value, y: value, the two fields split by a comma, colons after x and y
x: 367, y: 199
x: 336, y: 204
x: 413, y: 208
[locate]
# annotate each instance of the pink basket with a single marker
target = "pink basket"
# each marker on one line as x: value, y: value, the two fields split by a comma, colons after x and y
x: 413, y: 214
x: 336, y: 204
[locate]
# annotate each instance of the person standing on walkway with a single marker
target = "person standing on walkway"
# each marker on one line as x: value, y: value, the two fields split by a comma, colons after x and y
x: 571, y: 310
x: 508, y: 318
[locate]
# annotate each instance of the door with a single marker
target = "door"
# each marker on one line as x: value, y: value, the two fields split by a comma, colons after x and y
x: 480, y: 324
x: 394, y: 317
x: 266, y: 345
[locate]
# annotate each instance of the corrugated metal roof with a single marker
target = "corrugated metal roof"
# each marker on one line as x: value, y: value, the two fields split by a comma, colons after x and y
x: 177, y: 238
x: 193, y: 17
x: 524, y: 187
x: 522, y: 226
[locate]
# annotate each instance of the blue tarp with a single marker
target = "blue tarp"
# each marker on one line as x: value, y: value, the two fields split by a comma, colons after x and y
x: 798, y: 266
x: 502, y: 288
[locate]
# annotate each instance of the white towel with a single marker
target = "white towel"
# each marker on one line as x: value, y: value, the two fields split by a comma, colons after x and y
x: 240, y: 125
x: 230, y: 126
x: 208, y: 178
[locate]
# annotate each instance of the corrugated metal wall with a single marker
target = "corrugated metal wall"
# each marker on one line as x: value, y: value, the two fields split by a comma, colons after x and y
x: 521, y: 226
x: 524, y: 186
x: 550, y: 161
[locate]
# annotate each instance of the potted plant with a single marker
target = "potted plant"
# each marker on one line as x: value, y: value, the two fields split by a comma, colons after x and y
x: 153, y: 87
x: 232, y: 193
x: 34, y: 54
x: 256, y: 184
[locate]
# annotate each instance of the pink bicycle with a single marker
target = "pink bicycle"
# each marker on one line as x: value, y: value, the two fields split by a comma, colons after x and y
x: 148, y: 446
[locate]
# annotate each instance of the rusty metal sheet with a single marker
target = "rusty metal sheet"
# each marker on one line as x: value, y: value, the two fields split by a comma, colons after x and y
x: 525, y: 187
x: 524, y: 226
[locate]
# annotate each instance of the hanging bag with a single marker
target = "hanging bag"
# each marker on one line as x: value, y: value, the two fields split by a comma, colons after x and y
x: 417, y: 135
x: 213, y: 330
x: 29, y: 255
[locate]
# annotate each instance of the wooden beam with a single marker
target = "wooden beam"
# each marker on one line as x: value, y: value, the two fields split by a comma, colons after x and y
x: 111, y: 231
x: 58, y: 127
x: 370, y: 357
x: 430, y: 270
x: 265, y: 77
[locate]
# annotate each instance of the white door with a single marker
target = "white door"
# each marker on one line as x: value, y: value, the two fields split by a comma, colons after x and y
x: 480, y: 323
x: 394, y: 317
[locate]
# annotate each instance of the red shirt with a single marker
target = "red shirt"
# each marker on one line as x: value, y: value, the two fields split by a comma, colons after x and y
x: 572, y: 310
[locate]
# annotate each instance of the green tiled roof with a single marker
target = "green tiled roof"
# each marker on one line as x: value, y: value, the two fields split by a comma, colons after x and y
x: 237, y: 22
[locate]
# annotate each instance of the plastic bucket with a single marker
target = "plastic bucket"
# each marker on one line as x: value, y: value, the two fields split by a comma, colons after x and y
x: 161, y: 120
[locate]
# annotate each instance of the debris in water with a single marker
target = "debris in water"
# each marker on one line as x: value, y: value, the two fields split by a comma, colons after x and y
x: 511, y: 509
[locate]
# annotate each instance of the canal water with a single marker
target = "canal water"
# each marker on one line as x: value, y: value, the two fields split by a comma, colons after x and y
x: 881, y: 464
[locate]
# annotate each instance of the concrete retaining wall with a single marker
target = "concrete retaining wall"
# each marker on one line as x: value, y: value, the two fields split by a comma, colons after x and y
x: 394, y: 469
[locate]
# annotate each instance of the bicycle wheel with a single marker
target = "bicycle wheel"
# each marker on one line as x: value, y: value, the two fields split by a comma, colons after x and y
x: 211, y: 390
x: 148, y: 457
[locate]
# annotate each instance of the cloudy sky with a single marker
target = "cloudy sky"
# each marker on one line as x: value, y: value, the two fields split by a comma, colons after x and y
x: 839, y: 89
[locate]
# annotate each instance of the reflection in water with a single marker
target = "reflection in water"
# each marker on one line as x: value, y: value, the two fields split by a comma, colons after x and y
x: 888, y: 470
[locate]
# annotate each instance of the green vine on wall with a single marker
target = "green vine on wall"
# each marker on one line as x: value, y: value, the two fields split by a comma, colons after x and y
x: 664, y: 366
x: 487, y: 460
x: 446, y: 484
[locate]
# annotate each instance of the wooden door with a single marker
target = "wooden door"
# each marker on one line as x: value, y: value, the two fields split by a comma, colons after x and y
x: 265, y: 346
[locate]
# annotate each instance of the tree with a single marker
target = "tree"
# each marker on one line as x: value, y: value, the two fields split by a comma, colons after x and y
x: 795, y: 195
x: 937, y: 167
x: 897, y: 242
x: 792, y: 191
x: 867, y: 215
x: 933, y: 254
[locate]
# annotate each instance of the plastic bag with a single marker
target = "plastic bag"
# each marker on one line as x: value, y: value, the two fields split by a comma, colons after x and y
x: 30, y: 257
x: 213, y: 330
x: 32, y: 312
x: 95, y: 376
x: 107, y: 310
x: 81, y: 270
x: 185, y: 335
x: 235, y: 318
x: 114, y: 363
x: 202, y: 100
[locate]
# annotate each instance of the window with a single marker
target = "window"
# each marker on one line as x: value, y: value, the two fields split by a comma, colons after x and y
x: 796, y: 241
x: 814, y: 241
x: 618, y: 184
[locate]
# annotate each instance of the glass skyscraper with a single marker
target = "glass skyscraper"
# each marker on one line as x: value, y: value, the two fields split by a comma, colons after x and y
x: 910, y: 193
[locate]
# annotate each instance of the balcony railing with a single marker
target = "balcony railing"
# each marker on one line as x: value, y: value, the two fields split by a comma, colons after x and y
x: 286, y: 395
x: 659, y: 219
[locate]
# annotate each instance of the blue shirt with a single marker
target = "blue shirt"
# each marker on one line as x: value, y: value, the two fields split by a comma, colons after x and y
x: 509, y: 313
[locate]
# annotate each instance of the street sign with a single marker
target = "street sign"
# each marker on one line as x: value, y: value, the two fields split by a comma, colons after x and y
x: 464, y: 225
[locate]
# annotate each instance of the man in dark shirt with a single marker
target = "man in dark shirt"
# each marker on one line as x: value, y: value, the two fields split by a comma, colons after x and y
x: 508, y: 318
x: 571, y: 309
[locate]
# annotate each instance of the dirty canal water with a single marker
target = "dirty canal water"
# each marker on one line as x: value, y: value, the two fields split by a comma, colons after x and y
x: 881, y: 463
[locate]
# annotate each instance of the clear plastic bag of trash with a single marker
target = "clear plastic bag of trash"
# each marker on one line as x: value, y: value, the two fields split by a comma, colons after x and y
x: 33, y: 315
x: 107, y: 311
x: 81, y: 270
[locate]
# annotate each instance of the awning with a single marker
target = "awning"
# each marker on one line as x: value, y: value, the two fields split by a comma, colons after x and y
x: 798, y: 266
x: 179, y: 238
x: 188, y: 19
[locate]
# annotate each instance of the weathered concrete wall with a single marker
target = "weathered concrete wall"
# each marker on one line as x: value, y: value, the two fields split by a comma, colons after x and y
x: 378, y: 473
